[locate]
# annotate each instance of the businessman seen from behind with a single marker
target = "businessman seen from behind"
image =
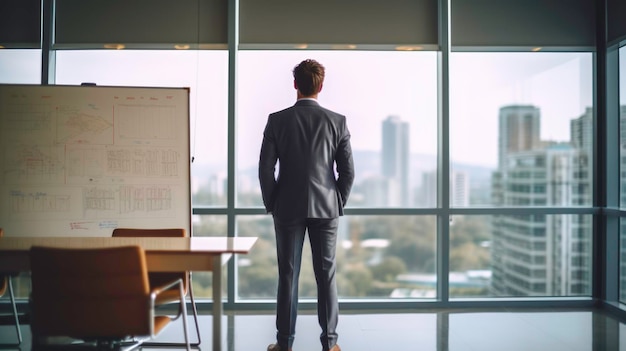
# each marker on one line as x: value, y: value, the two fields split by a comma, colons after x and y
x: 311, y: 147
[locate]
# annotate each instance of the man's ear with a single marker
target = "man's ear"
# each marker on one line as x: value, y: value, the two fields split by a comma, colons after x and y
x: 321, y: 86
x: 295, y: 85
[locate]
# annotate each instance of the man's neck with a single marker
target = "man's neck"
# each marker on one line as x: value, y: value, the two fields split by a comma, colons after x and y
x: 300, y: 96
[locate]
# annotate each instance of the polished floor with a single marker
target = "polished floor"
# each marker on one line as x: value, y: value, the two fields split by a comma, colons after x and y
x: 459, y: 330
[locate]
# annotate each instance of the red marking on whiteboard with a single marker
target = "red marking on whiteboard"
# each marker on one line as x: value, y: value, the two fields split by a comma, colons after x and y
x: 78, y: 225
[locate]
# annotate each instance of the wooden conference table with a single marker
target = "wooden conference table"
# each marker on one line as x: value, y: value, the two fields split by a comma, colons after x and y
x: 162, y: 255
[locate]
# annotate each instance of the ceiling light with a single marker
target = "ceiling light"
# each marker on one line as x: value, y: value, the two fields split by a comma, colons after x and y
x: 114, y: 46
x: 343, y: 47
x: 409, y: 48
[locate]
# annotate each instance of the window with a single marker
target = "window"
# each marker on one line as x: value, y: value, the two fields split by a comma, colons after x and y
x: 518, y: 114
x: 622, y: 165
x: 20, y: 66
x: 389, y: 99
x: 509, y: 256
x: 378, y: 257
x: 520, y: 136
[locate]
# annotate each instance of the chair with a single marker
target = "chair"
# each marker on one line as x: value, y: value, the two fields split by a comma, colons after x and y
x: 158, y: 278
x: 99, y: 296
x: 7, y: 285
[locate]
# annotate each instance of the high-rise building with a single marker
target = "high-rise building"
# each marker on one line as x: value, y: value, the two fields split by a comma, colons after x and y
x: 395, y: 156
x: 581, y: 130
x: 519, y: 130
x: 381, y: 192
x: 539, y: 255
x: 428, y: 190
x: 459, y: 189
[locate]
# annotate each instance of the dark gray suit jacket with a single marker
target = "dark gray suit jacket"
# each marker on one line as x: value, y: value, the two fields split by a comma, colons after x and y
x: 307, y: 141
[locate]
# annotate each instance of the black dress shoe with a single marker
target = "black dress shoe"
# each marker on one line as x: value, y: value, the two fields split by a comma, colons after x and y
x: 276, y: 347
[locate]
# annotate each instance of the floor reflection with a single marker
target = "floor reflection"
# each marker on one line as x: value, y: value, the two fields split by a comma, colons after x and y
x: 436, y: 330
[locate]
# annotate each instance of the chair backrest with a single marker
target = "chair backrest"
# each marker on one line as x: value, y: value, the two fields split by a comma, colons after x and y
x: 90, y: 293
x: 159, y: 232
x: 157, y: 279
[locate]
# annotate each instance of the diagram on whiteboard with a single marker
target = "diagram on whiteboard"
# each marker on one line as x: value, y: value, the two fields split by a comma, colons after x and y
x: 83, y: 124
x: 89, y: 159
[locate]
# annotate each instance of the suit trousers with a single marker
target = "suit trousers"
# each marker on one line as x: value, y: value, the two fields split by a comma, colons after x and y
x: 289, y: 242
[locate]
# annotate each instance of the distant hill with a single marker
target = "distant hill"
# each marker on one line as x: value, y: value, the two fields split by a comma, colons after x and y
x: 368, y: 162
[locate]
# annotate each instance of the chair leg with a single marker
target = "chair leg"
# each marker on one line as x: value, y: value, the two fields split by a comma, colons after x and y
x: 195, y: 310
x: 182, y: 310
x: 195, y: 314
x: 183, y: 307
x: 17, y: 319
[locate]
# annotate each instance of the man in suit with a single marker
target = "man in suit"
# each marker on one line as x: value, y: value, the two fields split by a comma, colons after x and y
x: 308, y: 142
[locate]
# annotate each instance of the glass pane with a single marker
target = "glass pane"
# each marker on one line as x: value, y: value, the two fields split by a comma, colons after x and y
x: 377, y: 257
x: 389, y: 257
x: 389, y: 99
x: 521, y: 256
x: 257, y: 271
x: 205, y: 73
x: 20, y: 66
x: 521, y: 129
x: 622, y: 178
x: 622, y: 259
x: 622, y: 125
x: 205, y: 225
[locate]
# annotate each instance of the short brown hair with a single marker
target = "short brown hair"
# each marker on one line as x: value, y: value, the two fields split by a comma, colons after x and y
x: 309, y: 76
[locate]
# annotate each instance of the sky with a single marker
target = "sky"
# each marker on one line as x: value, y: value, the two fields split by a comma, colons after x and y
x: 366, y: 86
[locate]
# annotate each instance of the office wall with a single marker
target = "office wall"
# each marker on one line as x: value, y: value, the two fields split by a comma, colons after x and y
x: 556, y: 23
x: 20, y: 23
x: 616, y: 11
x: 339, y: 22
x: 523, y: 23
x: 141, y: 22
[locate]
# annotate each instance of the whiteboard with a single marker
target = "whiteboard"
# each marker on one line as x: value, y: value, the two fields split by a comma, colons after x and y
x: 83, y: 160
